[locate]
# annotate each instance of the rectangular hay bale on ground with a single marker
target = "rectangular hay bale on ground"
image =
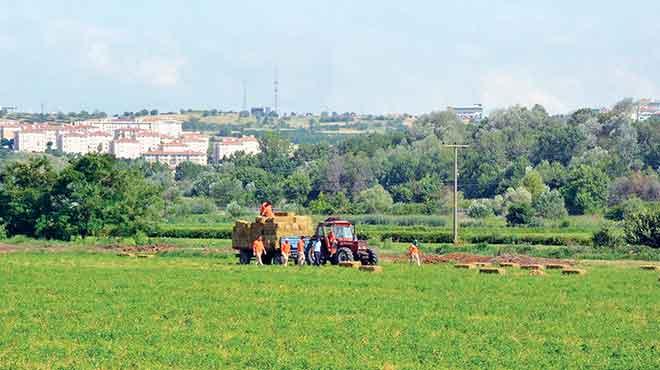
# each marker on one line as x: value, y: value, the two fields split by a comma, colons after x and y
x: 650, y: 267
x: 464, y: 266
x: 371, y: 268
x: 509, y: 264
x: 483, y: 264
x: 555, y: 266
x: 532, y: 267
x: 571, y: 271
x: 351, y: 264
x: 492, y: 270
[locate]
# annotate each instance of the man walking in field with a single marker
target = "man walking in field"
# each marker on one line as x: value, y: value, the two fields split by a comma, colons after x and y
x: 285, y: 249
x: 413, y: 254
x: 258, y: 249
x: 300, y: 247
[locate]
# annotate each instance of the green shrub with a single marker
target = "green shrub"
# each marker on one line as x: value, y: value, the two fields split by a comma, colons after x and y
x: 192, y: 232
x: 519, y: 214
x: 609, y: 236
x: 643, y: 228
x: 234, y: 209
x: 480, y: 209
x: 550, y: 205
x: 3, y: 231
x: 626, y: 208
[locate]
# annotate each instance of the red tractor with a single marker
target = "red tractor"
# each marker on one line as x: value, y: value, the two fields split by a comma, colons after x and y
x: 339, y: 243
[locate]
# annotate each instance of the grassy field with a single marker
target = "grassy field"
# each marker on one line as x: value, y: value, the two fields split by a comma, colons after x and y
x: 80, y: 311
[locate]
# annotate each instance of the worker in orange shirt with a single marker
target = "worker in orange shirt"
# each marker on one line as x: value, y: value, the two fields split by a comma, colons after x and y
x: 332, y: 242
x: 258, y: 249
x: 285, y: 250
x: 413, y: 254
x: 266, y: 210
x: 300, y: 247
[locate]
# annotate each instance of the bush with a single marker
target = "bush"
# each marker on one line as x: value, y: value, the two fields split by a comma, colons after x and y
x: 375, y: 199
x: 643, y: 228
x: 550, y: 205
x: 192, y: 232
x: 519, y: 214
x: 586, y: 190
x: 234, y: 209
x: 609, y: 236
x: 627, y: 208
x: 480, y: 209
x: 408, y: 209
x: 3, y: 232
x: 202, y: 206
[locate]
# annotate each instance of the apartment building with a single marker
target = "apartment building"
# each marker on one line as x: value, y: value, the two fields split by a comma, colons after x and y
x: 173, y: 158
x: 126, y: 148
x: 225, y: 147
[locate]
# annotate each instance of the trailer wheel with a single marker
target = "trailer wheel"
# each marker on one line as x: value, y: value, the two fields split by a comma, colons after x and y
x: 245, y: 257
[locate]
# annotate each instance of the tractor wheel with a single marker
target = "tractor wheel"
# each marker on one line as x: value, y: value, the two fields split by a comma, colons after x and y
x: 343, y: 255
x: 245, y: 257
x: 372, y: 258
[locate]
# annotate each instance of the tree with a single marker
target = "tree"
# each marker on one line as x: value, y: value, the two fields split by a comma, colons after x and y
x: 94, y: 197
x: 480, y: 208
x: 297, y: 187
x: 550, y: 205
x: 533, y: 182
x: 586, y: 190
x: 374, y: 200
x: 519, y: 214
x: 643, y: 228
x: 25, y: 194
x: 188, y: 171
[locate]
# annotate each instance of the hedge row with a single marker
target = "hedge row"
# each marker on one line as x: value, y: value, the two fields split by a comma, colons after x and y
x: 444, y: 237
x: 397, y: 235
x: 188, y: 232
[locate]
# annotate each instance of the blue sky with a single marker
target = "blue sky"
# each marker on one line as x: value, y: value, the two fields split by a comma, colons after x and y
x: 376, y: 56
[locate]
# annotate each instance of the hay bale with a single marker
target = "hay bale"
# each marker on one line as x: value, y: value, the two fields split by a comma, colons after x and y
x: 509, y: 264
x: 351, y: 264
x: 468, y: 266
x: 492, y: 270
x: 371, y: 268
x: 536, y: 273
x: 532, y: 267
x: 555, y: 266
x: 572, y: 271
x: 146, y: 255
x: 649, y: 267
x: 483, y: 264
x: 124, y: 254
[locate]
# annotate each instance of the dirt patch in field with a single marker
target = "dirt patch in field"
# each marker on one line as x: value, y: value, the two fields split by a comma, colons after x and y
x: 473, y: 258
x: 145, y: 249
x: 6, y: 248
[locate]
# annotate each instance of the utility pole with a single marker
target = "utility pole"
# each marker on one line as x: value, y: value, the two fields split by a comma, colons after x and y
x: 455, y: 220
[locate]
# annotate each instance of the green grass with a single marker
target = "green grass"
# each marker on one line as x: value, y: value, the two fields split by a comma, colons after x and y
x: 80, y: 311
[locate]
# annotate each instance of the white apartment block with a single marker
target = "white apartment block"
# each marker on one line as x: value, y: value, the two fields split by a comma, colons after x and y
x: 32, y: 140
x: 225, y: 147
x: 125, y: 148
x: 8, y: 129
x: 173, y: 158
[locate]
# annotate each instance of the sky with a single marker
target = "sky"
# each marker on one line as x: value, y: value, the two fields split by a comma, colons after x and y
x: 376, y: 56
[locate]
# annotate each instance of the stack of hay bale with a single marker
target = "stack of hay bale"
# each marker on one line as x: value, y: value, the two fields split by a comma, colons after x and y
x: 271, y: 229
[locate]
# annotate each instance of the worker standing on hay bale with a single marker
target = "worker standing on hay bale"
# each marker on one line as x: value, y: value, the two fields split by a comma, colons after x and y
x: 301, y: 251
x: 285, y: 249
x: 413, y: 254
x: 266, y: 209
x: 258, y: 249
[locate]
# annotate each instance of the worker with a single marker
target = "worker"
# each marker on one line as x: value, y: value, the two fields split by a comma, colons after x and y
x: 258, y: 249
x: 317, y: 252
x: 285, y: 249
x: 300, y: 247
x: 266, y: 210
x: 332, y: 242
x: 413, y: 253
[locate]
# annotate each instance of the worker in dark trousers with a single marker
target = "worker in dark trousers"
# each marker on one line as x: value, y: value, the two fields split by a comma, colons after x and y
x: 317, y: 253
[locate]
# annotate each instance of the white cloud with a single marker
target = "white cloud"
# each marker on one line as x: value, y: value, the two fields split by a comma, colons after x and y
x: 118, y: 54
x: 502, y: 89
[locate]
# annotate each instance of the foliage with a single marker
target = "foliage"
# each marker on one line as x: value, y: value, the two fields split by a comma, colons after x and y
x: 550, y: 205
x: 519, y: 214
x: 480, y: 208
x: 586, y: 190
x: 636, y: 185
x: 374, y: 200
x: 625, y: 209
x: 643, y: 228
x: 234, y: 209
x: 609, y: 235
x: 533, y: 182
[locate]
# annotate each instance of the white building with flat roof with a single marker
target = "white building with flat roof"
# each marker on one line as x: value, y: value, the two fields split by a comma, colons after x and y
x: 173, y: 158
x: 225, y: 147
x: 467, y: 114
x: 126, y: 148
